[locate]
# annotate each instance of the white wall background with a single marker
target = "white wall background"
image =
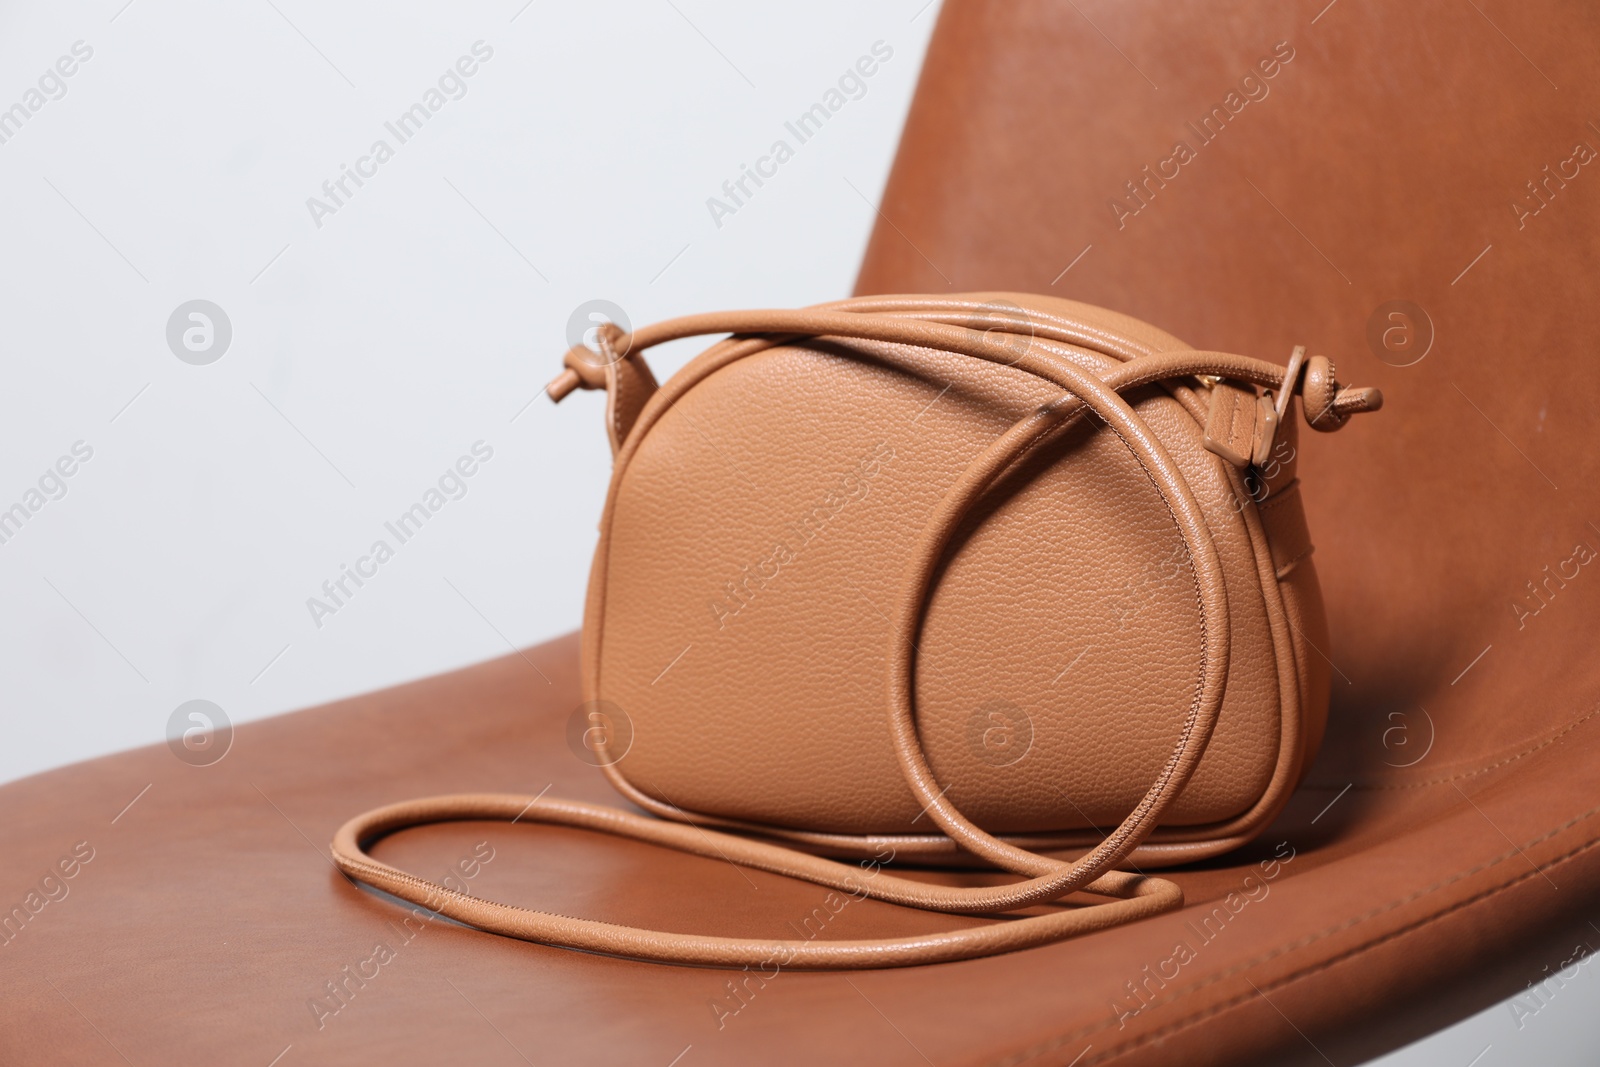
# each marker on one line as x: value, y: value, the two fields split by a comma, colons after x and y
x: 370, y: 352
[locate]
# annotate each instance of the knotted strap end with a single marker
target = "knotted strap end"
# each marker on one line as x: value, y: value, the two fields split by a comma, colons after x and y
x: 1326, y: 404
x: 1242, y: 427
x: 614, y: 366
x: 582, y: 368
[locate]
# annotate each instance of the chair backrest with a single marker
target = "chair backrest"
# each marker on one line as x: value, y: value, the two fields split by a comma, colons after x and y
x: 1410, y: 189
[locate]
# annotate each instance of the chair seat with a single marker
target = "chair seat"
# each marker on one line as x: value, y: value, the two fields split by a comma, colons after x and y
x: 210, y: 926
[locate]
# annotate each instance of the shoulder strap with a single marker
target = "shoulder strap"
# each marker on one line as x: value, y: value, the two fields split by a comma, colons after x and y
x: 1132, y: 897
x: 1129, y: 896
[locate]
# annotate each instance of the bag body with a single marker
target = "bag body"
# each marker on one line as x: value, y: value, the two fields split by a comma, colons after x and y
x: 762, y: 512
x: 987, y: 576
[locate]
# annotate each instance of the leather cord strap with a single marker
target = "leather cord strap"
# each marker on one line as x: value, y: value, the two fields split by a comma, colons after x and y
x: 1132, y: 897
x: 1125, y: 896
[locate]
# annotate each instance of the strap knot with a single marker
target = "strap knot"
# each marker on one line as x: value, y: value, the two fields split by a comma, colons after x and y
x: 1326, y: 404
x: 585, y: 368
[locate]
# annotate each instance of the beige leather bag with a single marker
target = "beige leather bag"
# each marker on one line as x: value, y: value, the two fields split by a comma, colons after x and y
x: 987, y: 577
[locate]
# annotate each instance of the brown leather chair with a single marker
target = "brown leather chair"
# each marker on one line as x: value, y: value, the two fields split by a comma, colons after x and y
x: 1441, y: 852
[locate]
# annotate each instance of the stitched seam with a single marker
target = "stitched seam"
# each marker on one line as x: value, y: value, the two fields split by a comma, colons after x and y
x: 1309, y: 939
x: 1473, y: 773
x: 1279, y: 497
x: 1283, y: 569
x: 1352, y: 952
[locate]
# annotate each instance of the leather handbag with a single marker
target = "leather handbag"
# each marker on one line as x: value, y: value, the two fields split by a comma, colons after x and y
x: 985, y: 579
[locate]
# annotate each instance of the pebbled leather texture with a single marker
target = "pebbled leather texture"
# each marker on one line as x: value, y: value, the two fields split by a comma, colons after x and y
x: 754, y: 544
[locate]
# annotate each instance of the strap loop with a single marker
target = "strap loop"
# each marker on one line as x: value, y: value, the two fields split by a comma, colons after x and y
x: 1130, y: 896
